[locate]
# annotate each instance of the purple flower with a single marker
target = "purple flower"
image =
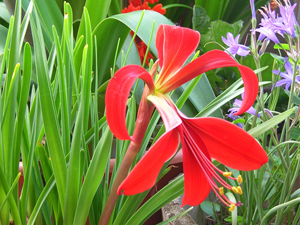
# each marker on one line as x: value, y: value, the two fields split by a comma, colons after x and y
x: 289, y: 20
x: 237, y: 104
x: 234, y: 46
x: 272, y: 23
x: 253, y: 9
x: 287, y: 76
x: 267, y: 33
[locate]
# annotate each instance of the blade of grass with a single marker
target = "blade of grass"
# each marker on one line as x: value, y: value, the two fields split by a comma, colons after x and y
x: 165, y: 195
x: 262, y: 128
x: 93, y: 177
x: 74, y: 181
x: 49, y: 112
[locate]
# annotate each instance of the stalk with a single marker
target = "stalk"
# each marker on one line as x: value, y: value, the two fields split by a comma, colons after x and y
x: 144, y: 115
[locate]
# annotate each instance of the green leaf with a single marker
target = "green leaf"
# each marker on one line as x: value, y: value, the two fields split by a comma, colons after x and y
x: 202, y: 95
x: 295, y: 100
x: 3, y: 36
x: 25, y: 85
x: 4, y: 14
x: 42, y: 198
x: 218, y: 29
x: 129, y: 207
x: 14, y: 184
x: 284, y: 46
x: 49, y: 112
x: 164, y: 196
x: 50, y: 15
x: 229, y: 219
x: 262, y: 128
x: 97, y: 10
x: 93, y: 177
x: 295, y: 133
x: 226, y: 96
x: 213, y: 8
x: 201, y: 21
x: 108, y: 38
x: 266, y: 60
x: 4, y: 190
x: 210, y: 208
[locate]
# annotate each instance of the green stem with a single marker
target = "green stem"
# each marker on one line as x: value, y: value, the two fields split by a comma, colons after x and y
x: 287, y: 120
x: 144, y: 115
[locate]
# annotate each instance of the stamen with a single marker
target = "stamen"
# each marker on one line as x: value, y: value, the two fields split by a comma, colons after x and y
x: 239, y: 190
x: 232, y: 207
x: 221, y: 191
x: 240, y: 179
x: 235, y: 190
x: 211, y: 172
x: 227, y: 174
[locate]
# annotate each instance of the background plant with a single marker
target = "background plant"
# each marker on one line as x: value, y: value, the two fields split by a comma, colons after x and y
x: 52, y: 111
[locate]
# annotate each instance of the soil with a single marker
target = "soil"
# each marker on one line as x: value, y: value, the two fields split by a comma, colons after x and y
x: 172, y: 209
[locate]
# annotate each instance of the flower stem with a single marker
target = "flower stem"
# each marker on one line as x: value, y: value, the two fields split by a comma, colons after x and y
x: 144, y: 115
x: 289, y: 106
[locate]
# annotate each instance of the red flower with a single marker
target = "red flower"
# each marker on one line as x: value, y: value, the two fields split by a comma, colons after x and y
x: 135, y: 5
x: 201, y: 138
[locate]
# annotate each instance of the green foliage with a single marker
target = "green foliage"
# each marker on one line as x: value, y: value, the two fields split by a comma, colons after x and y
x: 52, y: 107
x: 52, y: 113
x: 210, y: 208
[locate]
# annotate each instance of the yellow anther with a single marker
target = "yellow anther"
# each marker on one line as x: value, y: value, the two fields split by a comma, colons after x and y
x: 235, y: 190
x: 240, y: 179
x: 221, y: 191
x: 227, y: 174
x: 232, y: 207
x: 239, y: 190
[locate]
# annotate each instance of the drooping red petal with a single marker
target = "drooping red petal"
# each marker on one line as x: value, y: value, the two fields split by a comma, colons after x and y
x: 212, y: 60
x: 116, y: 96
x: 168, y: 112
x: 144, y: 174
x: 196, y: 186
x: 174, y: 45
x: 229, y: 144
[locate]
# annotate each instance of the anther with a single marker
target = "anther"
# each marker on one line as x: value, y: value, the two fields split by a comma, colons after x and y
x: 221, y: 191
x: 240, y: 179
x: 235, y: 190
x: 227, y: 174
x: 232, y: 207
x: 239, y: 190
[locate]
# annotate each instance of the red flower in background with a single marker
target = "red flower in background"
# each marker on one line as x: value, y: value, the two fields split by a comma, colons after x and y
x: 201, y: 138
x: 135, y: 5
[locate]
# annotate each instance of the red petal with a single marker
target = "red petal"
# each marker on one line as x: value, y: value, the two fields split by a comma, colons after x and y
x: 212, y: 60
x: 229, y: 144
x: 167, y: 111
x: 196, y: 186
x: 174, y: 45
x: 144, y: 174
x: 116, y: 96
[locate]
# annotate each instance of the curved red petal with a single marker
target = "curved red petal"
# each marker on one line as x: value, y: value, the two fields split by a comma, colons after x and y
x: 168, y: 112
x: 212, y: 60
x: 196, y: 186
x: 159, y: 43
x: 174, y: 45
x: 144, y: 174
x: 116, y: 96
x: 229, y: 144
